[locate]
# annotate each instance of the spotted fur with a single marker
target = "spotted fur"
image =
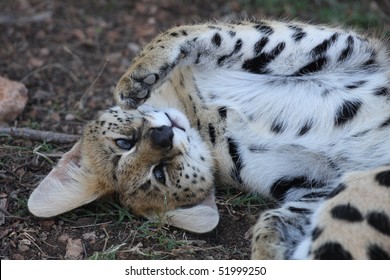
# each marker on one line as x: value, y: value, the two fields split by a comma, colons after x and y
x: 283, y: 109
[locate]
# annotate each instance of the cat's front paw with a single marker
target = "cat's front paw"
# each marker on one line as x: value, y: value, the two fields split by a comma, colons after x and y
x: 135, y: 87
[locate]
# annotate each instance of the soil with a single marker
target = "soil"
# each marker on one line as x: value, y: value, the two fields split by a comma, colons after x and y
x: 70, y: 54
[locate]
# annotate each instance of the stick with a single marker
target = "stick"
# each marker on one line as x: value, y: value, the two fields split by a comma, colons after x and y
x: 10, y: 19
x: 39, y: 135
x: 89, y: 89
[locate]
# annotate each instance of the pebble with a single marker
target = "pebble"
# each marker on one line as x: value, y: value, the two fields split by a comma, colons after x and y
x: 13, y: 99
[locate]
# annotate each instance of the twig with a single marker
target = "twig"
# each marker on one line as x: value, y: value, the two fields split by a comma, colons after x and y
x: 105, y: 239
x: 6, y: 214
x: 3, y: 207
x: 89, y: 89
x: 93, y: 225
x: 39, y: 135
x: 49, y: 66
x: 20, y: 20
x: 29, y: 237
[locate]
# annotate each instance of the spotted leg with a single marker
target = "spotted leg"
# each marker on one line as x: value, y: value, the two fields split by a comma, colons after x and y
x: 259, y: 47
x: 353, y: 222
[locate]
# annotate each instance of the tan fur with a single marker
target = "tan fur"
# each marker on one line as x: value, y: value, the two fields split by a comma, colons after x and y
x: 366, y: 195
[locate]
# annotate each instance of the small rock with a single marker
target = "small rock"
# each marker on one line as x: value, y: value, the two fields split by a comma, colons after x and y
x: 13, y: 99
x: 23, y: 248
x: 89, y: 236
x: 74, y: 249
x: 34, y: 62
x: 55, y: 116
x: 63, y: 238
x: 70, y: 117
x: 47, y: 224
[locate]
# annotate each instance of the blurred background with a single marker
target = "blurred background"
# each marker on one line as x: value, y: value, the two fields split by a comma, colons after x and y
x: 69, y: 55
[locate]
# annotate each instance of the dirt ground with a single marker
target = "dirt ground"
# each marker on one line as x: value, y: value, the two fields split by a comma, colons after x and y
x: 70, y: 54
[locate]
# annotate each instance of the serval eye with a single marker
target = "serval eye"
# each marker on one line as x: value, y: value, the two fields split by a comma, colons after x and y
x: 124, y: 144
x: 158, y: 173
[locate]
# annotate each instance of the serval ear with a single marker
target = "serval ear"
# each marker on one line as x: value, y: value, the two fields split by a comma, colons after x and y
x: 200, y: 218
x: 66, y: 187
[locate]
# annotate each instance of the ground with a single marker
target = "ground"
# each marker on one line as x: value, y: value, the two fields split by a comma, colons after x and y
x: 70, y: 54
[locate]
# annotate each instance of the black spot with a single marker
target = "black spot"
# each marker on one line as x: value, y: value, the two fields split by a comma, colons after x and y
x: 237, y: 46
x: 316, y: 233
x: 236, y: 49
x: 212, y: 133
x: 380, y: 221
x: 332, y: 251
x: 298, y: 36
x: 299, y: 210
x: 336, y: 191
x: 346, y: 53
x: 267, y: 30
x: 222, y: 111
x: 314, y: 195
x: 232, y: 33
x: 312, y: 67
x: 184, y: 33
x: 197, y: 59
x: 198, y: 124
x: 145, y: 186
x: 382, y: 91
x: 383, y: 178
x: 347, y: 112
x: 258, y: 148
x: 165, y: 68
x: 320, y: 49
x: 280, y: 187
x: 377, y: 253
x: 385, y: 123
x: 259, y: 46
x: 305, y: 129
x: 369, y: 63
x: 346, y: 212
x: 259, y: 63
x: 174, y: 34
x: 234, y: 154
x: 187, y: 176
x: 356, y: 84
x: 277, y: 127
x: 216, y: 40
